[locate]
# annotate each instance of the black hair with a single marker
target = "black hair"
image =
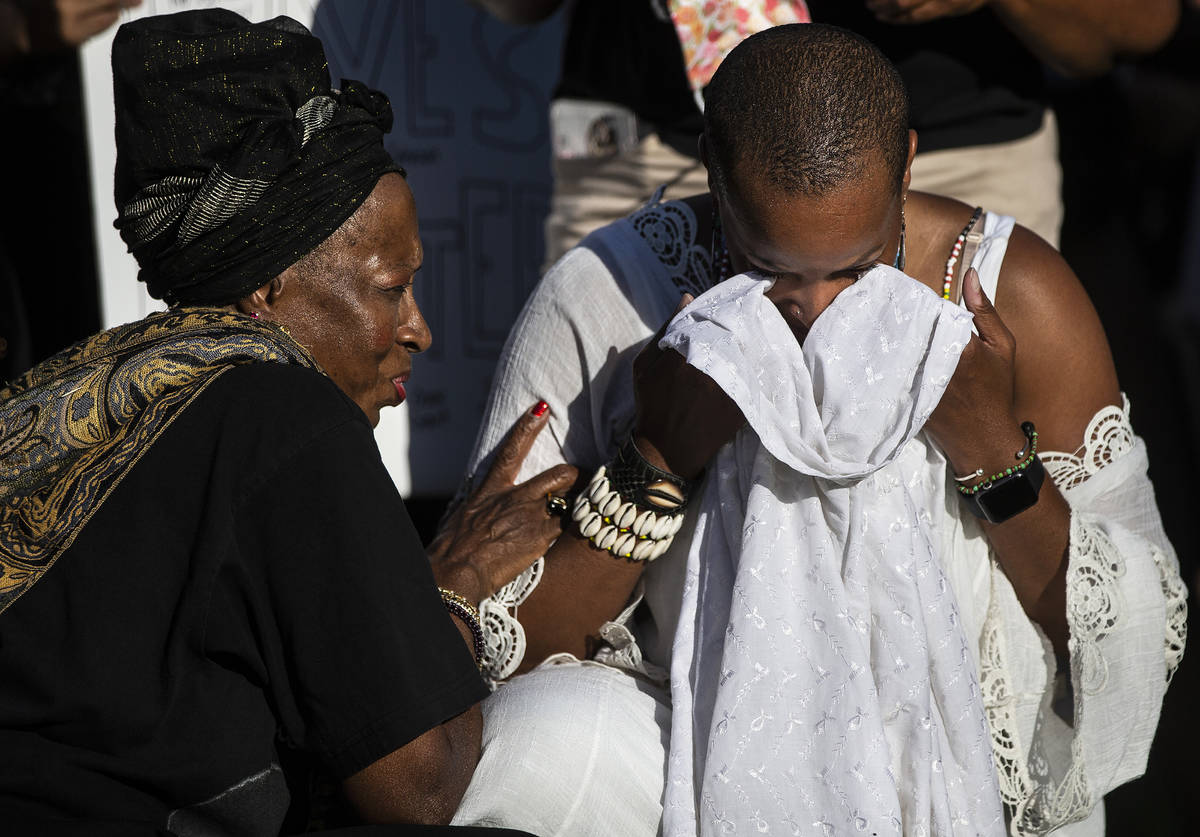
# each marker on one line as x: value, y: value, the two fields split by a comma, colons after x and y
x: 809, y: 106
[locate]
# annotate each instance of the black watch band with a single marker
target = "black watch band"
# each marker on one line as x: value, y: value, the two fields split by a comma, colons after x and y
x: 1009, y: 495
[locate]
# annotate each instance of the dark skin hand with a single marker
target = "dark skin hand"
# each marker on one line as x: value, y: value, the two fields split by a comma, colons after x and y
x: 519, y: 11
x: 507, y: 523
x: 1035, y: 549
x: 51, y: 25
x: 1076, y: 37
x: 498, y: 531
x: 683, y: 418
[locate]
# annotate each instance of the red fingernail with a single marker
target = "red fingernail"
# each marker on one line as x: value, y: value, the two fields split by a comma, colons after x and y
x: 539, y: 409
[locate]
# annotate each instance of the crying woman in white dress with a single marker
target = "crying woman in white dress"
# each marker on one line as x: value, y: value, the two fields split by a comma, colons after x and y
x: 919, y: 584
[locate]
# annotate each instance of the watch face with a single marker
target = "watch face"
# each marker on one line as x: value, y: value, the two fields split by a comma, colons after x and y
x: 1012, y: 495
x: 1006, y: 499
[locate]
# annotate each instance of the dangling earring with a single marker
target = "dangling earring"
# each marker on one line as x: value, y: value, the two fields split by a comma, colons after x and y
x: 254, y: 314
x: 900, y: 255
x: 718, y: 251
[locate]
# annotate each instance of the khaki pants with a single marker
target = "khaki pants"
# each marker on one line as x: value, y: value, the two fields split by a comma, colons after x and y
x: 589, y: 193
x: 1021, y: 178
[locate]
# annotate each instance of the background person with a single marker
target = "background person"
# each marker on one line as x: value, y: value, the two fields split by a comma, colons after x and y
x: 973, y: 70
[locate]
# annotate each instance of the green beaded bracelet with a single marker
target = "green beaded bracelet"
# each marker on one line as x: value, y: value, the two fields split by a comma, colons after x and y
x: 1031, y: 436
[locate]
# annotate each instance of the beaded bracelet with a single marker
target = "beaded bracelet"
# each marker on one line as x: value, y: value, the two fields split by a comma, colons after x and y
x: 468, y: 614
x: 646, y: 485
x: 1031, y: 437
x: 620, y: 526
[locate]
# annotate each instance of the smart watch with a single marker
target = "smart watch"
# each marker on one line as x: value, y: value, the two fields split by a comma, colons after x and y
x: 1009, y: 495
x: 1009, y: 492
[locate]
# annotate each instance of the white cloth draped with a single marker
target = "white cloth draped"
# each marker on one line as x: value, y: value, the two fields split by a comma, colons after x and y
x: 821, y: 679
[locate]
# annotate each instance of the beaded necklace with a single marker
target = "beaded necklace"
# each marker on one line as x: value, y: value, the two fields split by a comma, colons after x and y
x: 957, y: 251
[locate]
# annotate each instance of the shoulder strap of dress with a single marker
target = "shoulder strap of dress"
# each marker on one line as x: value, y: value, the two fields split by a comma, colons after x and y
x: 970, y: 247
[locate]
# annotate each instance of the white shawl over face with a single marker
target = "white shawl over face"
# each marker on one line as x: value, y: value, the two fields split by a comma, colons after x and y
x: 821, y: 678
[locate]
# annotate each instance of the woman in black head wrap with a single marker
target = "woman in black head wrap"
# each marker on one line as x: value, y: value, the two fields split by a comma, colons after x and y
x: 238, y: 591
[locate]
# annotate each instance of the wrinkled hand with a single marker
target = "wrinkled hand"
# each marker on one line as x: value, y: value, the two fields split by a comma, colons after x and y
x: 683, y: 417
x: 975, y: 423
x: 921, y: 11
x: 501, y: 528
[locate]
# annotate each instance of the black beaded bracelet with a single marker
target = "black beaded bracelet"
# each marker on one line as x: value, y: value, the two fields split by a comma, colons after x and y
x: 468, y: 614
x: 645, y: 485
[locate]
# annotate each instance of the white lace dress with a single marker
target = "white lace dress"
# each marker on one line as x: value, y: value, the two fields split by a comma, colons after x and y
x: 564, y: 743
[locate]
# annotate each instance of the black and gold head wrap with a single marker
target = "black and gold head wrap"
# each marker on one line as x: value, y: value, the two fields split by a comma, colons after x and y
x: 235, y: 157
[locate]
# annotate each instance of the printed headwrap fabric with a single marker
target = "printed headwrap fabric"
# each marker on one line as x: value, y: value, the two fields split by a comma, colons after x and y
x: 709, y: 29
x: 73, y: 426
x: 821, y: 678
x: 235, y: 156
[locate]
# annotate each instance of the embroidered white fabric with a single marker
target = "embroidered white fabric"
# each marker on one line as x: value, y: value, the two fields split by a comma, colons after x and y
x: 669, y: 231
x: 574, y: 344
x: 821, y: 680
x: 1127, y: 613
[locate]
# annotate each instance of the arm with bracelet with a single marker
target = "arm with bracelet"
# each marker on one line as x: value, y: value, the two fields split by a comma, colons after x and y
x: 1042, y: 455
x: 1019, y: 389
x: 574, y: 345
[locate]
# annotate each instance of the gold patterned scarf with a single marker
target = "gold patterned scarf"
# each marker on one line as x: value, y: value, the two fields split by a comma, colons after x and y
x: 73, y: 426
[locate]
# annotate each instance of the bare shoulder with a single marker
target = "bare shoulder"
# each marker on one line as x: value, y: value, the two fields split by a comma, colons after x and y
x: 1064, y: 368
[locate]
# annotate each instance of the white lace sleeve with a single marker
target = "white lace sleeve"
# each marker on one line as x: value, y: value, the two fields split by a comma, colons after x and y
x: 1127, y: 613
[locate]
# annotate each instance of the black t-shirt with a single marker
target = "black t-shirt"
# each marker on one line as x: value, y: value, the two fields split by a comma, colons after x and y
x: 620, y: 51
x: 252, y: 590
x: 970, y: 81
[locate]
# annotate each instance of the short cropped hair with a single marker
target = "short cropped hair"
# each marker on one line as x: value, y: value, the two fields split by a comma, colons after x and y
x: 809, y: 106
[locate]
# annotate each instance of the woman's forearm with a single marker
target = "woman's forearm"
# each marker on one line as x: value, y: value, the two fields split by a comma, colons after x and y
x: 1032, y: 546
x: 581, y: 588
x: 1032, y: 549
x: 1085, y: 37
